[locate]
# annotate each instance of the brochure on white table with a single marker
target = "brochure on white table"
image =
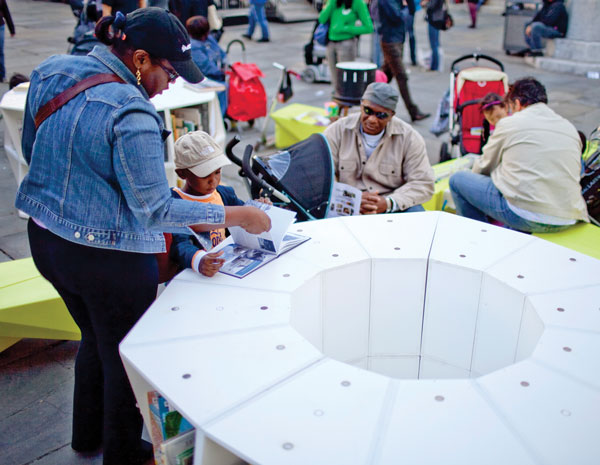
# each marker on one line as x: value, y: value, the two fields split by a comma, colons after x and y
x: 244, y: 252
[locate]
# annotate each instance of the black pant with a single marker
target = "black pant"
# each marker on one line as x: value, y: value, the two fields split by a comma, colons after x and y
x: 106, y: 292
x: 393, y: 67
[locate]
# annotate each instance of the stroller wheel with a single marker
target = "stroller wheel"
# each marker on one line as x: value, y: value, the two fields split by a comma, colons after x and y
x: 444, y: 152
x: 309, y: 75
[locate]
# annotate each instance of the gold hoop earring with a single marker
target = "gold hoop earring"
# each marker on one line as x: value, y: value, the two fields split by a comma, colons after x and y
x: 138, y: 76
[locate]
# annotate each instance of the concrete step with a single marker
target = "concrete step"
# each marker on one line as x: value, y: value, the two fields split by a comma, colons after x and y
x: 575, y: 50
x: 566, y: 66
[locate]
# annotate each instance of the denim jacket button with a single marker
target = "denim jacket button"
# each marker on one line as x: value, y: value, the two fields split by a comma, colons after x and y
x: 77, y: 234
x: 90, y: 237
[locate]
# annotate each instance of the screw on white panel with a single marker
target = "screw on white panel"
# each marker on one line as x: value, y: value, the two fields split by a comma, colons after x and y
x: 298, y: 230
x: 390, y: 221
x: 573, y: 259
x: 345, y: 383
x: 560, y: 309
x: 524, y: 383
x: 439, y: 398
x: 287, y: 275
x: 186, y: 376
x: 520, y: 276
x: 484, y: 230
x: 565, y: 412
x: 567, y: 349
x: 319, y: 413
x: 220, y: 308
x: 174, y: 309
x: 462, y: 255
x: 264, y: 307
x: 335, y: 255
x: 396, y: 248
x: 280, y: 347
x: 287, y: 446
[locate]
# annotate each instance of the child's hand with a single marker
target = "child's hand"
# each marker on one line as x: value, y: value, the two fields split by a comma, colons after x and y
x: 211, y: 263
x: 266, y: 200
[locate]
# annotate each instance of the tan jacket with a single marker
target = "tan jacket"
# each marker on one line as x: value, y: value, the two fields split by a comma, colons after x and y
x: 534, y: 159
x: 398, y: 167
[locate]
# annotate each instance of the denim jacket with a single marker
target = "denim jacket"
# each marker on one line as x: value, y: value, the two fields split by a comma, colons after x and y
x: 96, y: 166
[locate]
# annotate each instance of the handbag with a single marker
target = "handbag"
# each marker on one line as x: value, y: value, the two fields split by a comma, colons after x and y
x: 439, y: 17
x: 321, y: 34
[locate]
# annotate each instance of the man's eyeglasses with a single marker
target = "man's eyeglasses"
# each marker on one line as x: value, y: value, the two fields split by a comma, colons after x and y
x: 378, y: 114
x: 171, y: 73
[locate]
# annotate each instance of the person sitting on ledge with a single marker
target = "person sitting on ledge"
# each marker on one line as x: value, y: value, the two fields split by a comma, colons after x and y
x: 381, y: 155
x: 528, y: 175
x: 550, y: 22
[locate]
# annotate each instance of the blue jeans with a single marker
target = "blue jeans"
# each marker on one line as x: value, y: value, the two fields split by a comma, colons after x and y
x: 258, y: 15
x: 540, y: 31
x: 476, y: 197
x: 2, y: 68
x: 409, y: 23
x: 413, y: 209
x: 376, y: 55
x: 434, y: 43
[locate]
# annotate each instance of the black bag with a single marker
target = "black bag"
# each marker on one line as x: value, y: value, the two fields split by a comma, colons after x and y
x: 438, y: 16
x: 590, y: 180
x: 285, y: 89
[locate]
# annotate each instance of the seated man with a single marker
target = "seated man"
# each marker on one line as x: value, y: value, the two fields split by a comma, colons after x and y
x: 549, y: 22
x: 381, y: 155
x: 528, y: 175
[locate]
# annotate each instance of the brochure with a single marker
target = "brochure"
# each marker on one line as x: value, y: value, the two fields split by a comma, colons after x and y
x: 244, y: 252
x: 345, y: 200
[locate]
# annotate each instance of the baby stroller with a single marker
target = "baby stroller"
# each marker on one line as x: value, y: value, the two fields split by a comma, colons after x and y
x: 467, y: 86
x: 84, y: 39
x: 314, y: 55
x: 299, y: 178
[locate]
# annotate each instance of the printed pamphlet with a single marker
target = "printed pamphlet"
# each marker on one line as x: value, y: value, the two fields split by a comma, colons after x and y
x: 244, y: 252
x: 345, y: 200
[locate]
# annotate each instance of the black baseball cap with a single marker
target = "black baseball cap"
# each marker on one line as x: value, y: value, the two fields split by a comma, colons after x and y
x: 162, y: 35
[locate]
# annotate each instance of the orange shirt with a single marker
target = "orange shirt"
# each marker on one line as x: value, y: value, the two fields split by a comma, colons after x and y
x: 216, y: 235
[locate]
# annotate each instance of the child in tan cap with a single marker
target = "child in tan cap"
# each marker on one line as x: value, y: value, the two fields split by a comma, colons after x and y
x: 198, y: 161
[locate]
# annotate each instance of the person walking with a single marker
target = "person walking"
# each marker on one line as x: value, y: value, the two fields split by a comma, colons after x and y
x: 434, y: 9
x: 474, y: 6
x: 99, y: 202
x: 408, y: 13
x: 392, y: 44
x: 5, y: 18
x: 257, y: 15
x: 343, y: 16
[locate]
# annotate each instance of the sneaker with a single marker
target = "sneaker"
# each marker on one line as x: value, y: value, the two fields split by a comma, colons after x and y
x: 535, y: 53
x: 247, y: 36
x: 263, y: 39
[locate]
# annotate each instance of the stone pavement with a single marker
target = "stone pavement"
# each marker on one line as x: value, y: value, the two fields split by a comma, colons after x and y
x: 37, y: 375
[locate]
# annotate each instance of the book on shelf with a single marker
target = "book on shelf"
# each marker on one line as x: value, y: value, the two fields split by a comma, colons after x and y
x: 244, y: 252
x: 345, y: 200
x: 179, y: 450
x: 166, y: 425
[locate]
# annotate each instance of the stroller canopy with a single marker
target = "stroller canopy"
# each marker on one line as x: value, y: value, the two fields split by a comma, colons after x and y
x: 304, y: 172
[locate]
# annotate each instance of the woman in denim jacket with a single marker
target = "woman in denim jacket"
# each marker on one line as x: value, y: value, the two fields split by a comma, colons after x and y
x: 99, y: 202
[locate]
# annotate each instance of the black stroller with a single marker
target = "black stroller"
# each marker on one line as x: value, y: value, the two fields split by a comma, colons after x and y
x: 315, y: 55
x: 299, y: 178
x: 84, y: 39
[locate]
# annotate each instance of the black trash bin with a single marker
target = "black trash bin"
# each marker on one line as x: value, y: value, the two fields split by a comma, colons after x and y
x: 516, y: 15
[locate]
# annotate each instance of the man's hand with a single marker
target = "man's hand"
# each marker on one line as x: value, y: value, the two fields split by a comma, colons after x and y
x: 266, y: 200
x: 371, y: 203
x: 528, y: 31
x: 211, y: 263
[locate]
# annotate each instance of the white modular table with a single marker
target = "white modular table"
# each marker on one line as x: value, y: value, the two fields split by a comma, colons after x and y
x: 179, y: 95
x: 421, y: 338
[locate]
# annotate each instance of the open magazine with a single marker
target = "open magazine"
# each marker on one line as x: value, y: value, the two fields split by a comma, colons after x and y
x: 244, y: 252
x: 345, y: 200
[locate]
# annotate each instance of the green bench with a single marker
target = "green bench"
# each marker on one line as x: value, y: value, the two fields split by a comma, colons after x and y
x: 30, y: 307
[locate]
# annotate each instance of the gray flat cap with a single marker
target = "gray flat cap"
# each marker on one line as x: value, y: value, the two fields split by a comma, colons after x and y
x: 382, y: 93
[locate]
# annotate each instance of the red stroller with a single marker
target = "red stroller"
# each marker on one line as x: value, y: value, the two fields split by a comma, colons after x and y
x: 467, y: 86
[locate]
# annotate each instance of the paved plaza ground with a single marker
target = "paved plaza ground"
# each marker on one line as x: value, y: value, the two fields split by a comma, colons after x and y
x: 36, y: 379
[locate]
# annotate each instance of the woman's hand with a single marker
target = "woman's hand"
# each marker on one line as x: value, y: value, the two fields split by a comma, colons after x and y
x: 211, y: 263
x: 265, y: 200
x: 252, y: 219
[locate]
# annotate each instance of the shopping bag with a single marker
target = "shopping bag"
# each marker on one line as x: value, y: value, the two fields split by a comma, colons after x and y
x: 247, y: 96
